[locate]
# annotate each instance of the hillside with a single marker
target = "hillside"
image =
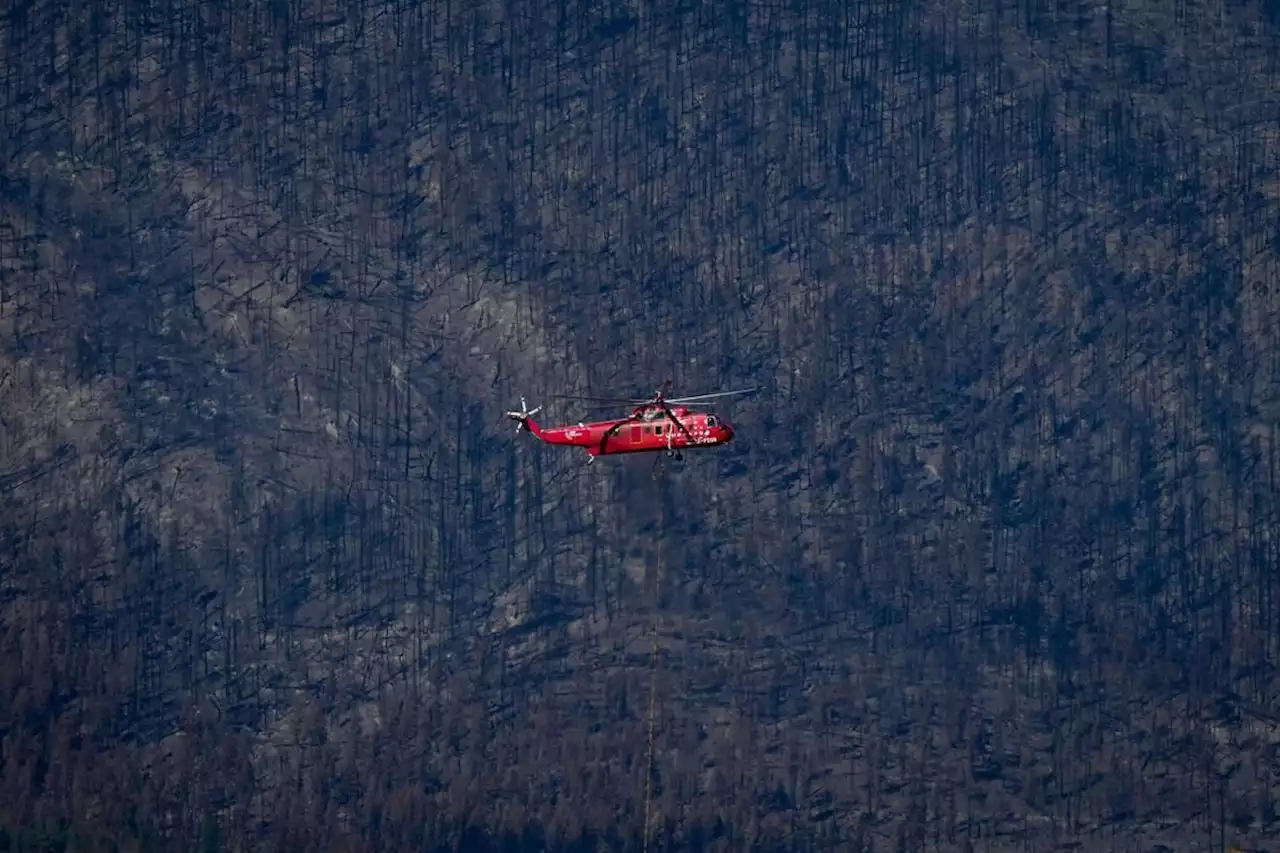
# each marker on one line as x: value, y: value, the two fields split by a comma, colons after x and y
x: 992, y: 564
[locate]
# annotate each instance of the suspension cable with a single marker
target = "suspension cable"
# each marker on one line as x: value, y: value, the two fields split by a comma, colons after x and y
x: 653, y: 658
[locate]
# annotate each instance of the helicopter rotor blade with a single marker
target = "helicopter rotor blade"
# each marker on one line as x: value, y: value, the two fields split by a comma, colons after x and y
x: 657, y: 399
x: 600, y: 407
x: 613, y: 400
x: 698, y: 397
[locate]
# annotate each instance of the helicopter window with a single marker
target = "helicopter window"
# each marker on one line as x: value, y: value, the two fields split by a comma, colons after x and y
x: 711, y: 420
x: 658, y: 429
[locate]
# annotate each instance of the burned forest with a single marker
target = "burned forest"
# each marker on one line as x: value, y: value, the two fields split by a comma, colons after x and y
x: 993, y: 563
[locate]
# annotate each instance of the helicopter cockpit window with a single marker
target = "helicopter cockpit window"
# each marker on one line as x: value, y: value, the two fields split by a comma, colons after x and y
x: 711, y: 420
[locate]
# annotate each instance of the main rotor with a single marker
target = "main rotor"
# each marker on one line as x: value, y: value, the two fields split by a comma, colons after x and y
x: 659, y: 399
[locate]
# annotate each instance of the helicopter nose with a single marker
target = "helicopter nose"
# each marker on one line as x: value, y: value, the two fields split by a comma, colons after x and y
x: 726, y: 432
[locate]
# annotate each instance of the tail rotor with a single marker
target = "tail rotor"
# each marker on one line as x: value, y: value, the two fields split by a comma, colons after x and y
x: 521, y: 417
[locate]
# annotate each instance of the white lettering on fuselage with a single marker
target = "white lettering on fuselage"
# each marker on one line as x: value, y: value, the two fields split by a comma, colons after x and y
x: 700, y: 433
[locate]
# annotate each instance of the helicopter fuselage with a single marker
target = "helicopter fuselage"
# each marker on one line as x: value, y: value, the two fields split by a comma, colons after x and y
x: 649, y: 429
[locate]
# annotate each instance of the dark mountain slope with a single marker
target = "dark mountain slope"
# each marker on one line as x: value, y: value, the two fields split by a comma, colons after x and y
x: 991, y: 565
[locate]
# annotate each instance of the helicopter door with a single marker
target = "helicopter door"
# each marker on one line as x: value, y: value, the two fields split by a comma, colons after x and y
x: 635, y: 434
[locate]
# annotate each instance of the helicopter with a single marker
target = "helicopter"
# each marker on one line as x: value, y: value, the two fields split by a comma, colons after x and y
x: 657, y: 424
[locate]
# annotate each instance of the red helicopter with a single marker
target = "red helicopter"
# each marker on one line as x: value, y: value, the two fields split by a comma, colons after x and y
x: 652, y: 426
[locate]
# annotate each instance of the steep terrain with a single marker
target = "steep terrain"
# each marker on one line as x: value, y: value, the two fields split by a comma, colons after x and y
x: 992, y: 564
